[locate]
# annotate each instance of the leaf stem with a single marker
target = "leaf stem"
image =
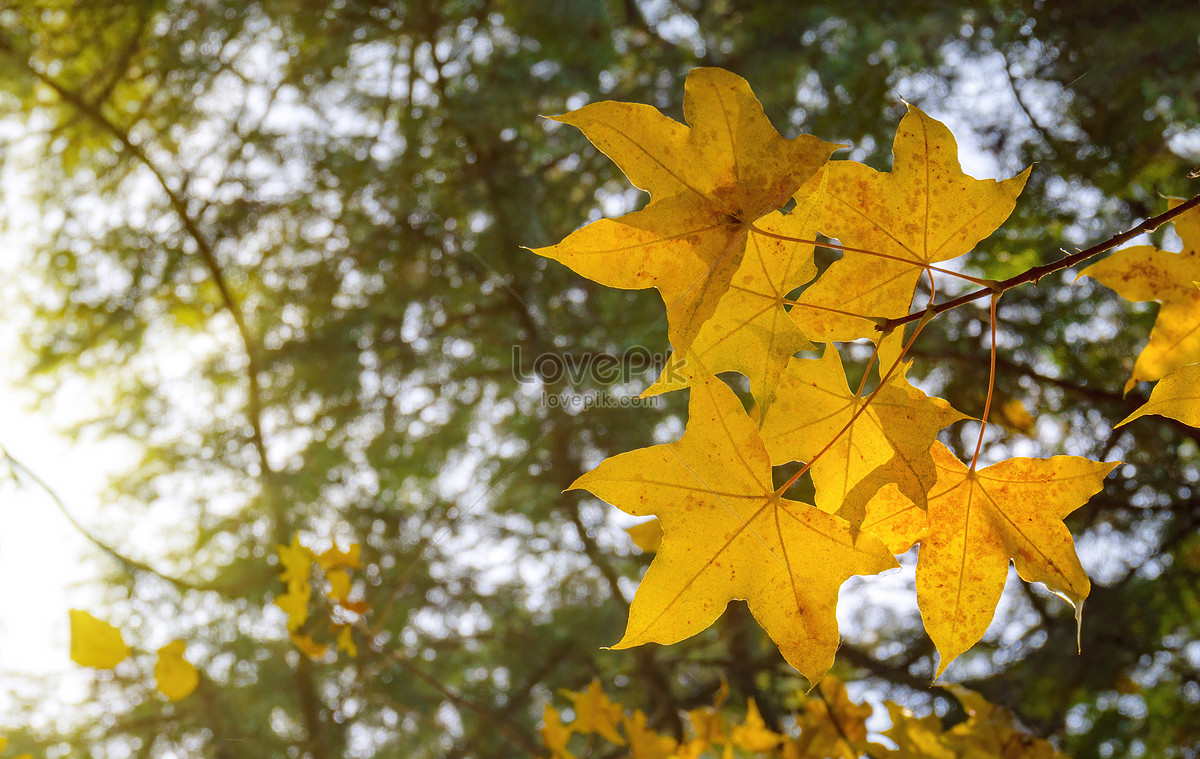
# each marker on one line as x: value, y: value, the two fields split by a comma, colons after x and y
x: 987, y: 405
x: 857, y: 413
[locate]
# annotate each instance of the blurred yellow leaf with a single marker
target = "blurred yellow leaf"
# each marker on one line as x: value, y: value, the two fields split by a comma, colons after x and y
x: 555, y: 735
x: 753, y: 734
x: 296, y: 563
x: 1014, y: 415
x: 345, y: 641
x: 95, y: 643
x: 645, y: 743
x: 339, y: 584
x: 594, y: 713
x: 176, y: 677
x: 335, y: 558
x: 308, y: 646
x: 295, y: 604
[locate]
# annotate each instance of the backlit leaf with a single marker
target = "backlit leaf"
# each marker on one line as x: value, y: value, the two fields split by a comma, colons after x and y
x: 977, y: 522
x: 1144, y: 273
x: 924, y: 211
x: 95, y: 643
x: 175, y: 676
x: 708, y: 182
x: 1176, y: 396
x: 728, y: 535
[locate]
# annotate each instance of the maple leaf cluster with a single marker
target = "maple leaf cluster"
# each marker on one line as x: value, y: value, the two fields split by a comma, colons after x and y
x: 828, y: 724
x: 743, y: 294
x: 297, y: 562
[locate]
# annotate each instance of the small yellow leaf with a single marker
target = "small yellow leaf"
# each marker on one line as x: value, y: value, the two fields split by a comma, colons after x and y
x: 335, y: 558
x: 647, y: 535
x: 295, y: 604
x: 176, y: 677
x: 308, y: 646
x: 95, y: 643
x: 1014, y: 415
x: 753, y: 734
x: 832, y: 722
x: 296, y: 563
x: 3, y: 743
x: 345, y: 641
x: 555, y: 735
x: 339, y: 584
x: 917, y: 737
x: 594, y: 713
x: 645, y: 743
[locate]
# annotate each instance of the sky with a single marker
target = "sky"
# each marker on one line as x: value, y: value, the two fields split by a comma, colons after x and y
x: 46, y: 566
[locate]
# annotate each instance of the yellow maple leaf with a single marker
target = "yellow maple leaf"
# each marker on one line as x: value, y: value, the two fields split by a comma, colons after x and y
x: 646, y: 535
x: 728, y: 535
x: 832, y: 725
x: 992, y: 730
x: 1145, y: 273
x: 751, y: 332
x: 1176, y: 396
x: 753, y: 734
x: 924, y: 211
x: 708, y: 183
x: 709, y: 726
x: 554, y: 734
x: 916, y: 736
x: 976, y: 523
x: 594, y: 713
x: 645, y: 743
x: 95, y: 643
x: 175, y: 675
x: 890, y: 438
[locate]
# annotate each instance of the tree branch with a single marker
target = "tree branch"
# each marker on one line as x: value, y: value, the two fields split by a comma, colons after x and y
x: 207, y: 255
